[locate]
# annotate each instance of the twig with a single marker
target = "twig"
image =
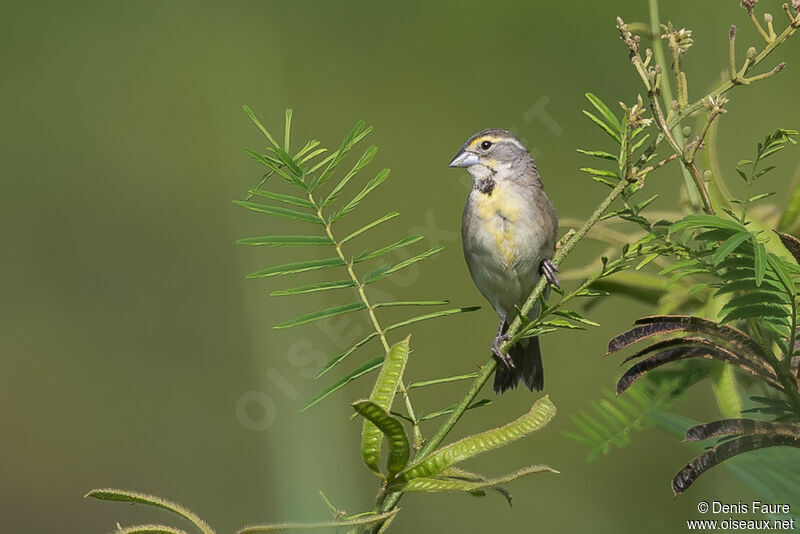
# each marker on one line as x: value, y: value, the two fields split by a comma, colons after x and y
x: 695, y: 145
x: 749, y: 57
x: 770, y: 27
x: 667, y: 129
x: 701, y: 186
x: 659, y: 164
x: 664, y: 87
x: 727, y: 86
x: 658, y: 115
x: 679, y: 151
x: 717, y: 187
x: 515, y: 331
x: 757, y: 24
x: 732, y: 52
x: 788, y: 13
x: 676, y: 69
x: 628, y: 154
x: 779, y: 67
x: 371, y: 312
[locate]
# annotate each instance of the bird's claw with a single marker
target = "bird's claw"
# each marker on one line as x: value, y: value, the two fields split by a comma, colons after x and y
x: 505, y: 359
x: 549, y: 271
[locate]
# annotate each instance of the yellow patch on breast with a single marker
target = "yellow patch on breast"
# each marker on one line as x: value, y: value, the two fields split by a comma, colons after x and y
x: 498, y: 213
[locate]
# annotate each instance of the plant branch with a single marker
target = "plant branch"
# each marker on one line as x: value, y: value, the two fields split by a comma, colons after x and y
x: 757, y: 24
x: 418, y: 439
x: 661, y: 122
x: 770, y: 27
x: 680, y: 78
x: 789, y: 13
x: 783, y: 368
x: 701, y: 186
x: 654, y: 84
x: 792, y: 212
x: 701, y: 138
x: 679, y: 151
x: 659, y: 164
x: 787, y: 359
x: 515, y: 331
x: 518, y: 326
x: 650, y: 150
x: 666, y: 91
x: 668, y: 129
x: 628, y: 152
x: 727, y: 86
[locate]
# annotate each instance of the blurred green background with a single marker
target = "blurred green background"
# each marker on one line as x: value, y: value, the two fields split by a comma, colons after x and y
x: 136, y: 355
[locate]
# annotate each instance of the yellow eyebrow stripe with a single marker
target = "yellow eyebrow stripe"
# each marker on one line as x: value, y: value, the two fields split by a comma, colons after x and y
x: 491, y: 138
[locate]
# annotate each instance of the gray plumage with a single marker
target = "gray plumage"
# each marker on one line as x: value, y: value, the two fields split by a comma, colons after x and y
x: 509, y: 228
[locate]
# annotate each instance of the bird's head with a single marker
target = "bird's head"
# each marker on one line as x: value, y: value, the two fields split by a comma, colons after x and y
x: 490, y: 152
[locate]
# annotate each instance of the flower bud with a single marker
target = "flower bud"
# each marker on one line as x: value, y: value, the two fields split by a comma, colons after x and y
x: 748, y: 5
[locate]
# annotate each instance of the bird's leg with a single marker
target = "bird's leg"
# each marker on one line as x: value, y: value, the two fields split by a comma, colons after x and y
x: 498, y: 340
x: 549, y: 270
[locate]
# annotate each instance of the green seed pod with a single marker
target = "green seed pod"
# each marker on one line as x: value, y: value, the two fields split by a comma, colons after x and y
x: 539, y: 415
x: 382, y: 397
x: 388, y: 426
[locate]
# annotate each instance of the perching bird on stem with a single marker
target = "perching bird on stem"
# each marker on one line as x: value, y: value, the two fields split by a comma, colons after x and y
x: 509, y: 231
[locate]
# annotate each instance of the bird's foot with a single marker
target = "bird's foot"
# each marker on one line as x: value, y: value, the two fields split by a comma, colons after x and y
x: 505, y: 359
x: 549, y: 271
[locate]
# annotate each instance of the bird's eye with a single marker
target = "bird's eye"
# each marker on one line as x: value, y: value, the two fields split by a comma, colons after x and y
x: 486, y: 145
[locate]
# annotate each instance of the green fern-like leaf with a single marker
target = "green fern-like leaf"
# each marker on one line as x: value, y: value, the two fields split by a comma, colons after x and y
x: 611, y: 420
x: 310, y: 174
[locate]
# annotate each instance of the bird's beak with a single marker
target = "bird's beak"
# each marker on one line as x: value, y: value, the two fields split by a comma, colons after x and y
x: 464, y: 159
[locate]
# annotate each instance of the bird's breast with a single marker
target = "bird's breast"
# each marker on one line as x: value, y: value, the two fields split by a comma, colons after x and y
x: 498, y: 214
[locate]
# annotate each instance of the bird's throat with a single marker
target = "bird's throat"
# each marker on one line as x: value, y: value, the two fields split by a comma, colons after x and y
x: 485, y: 185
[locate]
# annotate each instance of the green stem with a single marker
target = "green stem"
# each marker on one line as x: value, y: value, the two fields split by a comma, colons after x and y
x: 759, y: 28
x: 727, y: 86
x: 701, y: 138
x: 371, y: 312
x: 677, y: 147
x: 783, y: 368
x: 717, y: 187
x: 666, y: 90
x: 515, y: 331
x: 519, y: 325
x: 701, y: 186
x: 787, y: 360
x: 659, y: 164
x: 746, y: 203
x: 592, y: 278
x: 792, y: 212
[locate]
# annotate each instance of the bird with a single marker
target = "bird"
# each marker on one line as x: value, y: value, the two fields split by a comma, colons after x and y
x: 509, y: 230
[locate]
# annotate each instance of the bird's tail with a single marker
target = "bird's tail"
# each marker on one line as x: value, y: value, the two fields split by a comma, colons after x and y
x: 527, y: 358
